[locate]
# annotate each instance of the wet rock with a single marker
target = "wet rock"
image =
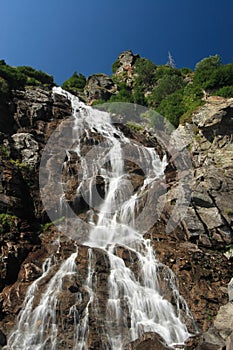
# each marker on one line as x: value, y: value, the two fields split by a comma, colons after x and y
x: 194, y: 250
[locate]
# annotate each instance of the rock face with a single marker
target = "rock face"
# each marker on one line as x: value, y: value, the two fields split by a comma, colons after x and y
x: 207, y: 227
x: 99, y: 87
x: 125, y: 63
x: 195, y: 250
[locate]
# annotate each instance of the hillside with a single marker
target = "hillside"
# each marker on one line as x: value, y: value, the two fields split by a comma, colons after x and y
x: 199, y: 248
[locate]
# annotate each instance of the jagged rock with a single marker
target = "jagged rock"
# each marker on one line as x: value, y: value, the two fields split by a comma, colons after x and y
x: 126, y: 59
x: 125, y: 63
x: 99, y: 87
x: 28, y: 147
x: 194, y: 250
x: 32, y: 105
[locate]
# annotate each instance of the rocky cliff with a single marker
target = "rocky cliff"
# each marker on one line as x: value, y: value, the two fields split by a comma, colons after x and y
x: 199, y: 250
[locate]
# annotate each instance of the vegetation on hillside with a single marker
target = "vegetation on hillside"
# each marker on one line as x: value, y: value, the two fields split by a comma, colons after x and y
x: 75, y: 84
x: 16, y: 78
x: 172, y: 92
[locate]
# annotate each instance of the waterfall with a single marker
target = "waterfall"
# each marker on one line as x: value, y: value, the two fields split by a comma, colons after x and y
x: 135, y: 301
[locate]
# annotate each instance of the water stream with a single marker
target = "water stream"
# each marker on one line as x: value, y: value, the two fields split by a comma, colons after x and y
x: 136, y: 303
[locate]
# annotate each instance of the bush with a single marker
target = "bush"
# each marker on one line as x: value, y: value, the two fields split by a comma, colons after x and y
x: 185, y: 71
x: 226, y: 91
x: 204, y: 70
x: 144, y: 71
x: 173, y: 107
x: 14, y: 78
x: 222, y: 76
x: 4, y: 90
x: 17, y: 78
x: 124, y: 94
x: 75, y: 83
x: 166, y: 85
x: 115, y: 66
x: 36, y: 76
x: 8, y: 222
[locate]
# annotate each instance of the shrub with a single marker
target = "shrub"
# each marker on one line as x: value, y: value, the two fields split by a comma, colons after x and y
x: 14, y: 78
x: 166, y: 85
x: 222, y: 76
x: 4, y: 90
x: 172, y: 107
x: 124, y: 94
x: 144, y: 71
x: 226, y: 91
x: 161, y: 71
x: 8, y: 222
x: 115, y: 66
x: 36, y: 76
x: 204, y: 70
x: 75, y: 83
x: 185, y: 71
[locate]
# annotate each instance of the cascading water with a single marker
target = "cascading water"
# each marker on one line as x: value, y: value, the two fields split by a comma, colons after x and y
x: 135, y: 302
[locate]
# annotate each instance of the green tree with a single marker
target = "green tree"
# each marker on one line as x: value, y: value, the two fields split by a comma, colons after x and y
x: 173, y: 107
x: 220, y: 77
x: 166, y: 85
x: 144, y: 71
x: 204, y: 70
x: 225, y: 91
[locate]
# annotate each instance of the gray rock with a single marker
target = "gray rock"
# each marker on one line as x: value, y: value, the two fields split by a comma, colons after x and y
x: 224, y: 318
x: 211, y: 340
x: 230, y: 290
x: 229, y: 342
x: 28, y: 147
x: 99, y: 87
x: 210, y: 216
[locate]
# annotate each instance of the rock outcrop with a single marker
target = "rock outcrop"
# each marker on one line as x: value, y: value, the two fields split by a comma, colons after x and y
x: 99, y: 87
x: 195, y: 250
x: 124, y: 66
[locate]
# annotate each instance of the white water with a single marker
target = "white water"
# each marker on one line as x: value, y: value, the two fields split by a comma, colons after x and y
x: 144, y: 307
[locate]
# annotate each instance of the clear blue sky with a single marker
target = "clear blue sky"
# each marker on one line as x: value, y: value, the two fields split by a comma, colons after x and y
x: 63, y: 36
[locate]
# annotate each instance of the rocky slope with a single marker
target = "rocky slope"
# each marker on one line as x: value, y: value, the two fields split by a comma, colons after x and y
x: 198, y: 250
